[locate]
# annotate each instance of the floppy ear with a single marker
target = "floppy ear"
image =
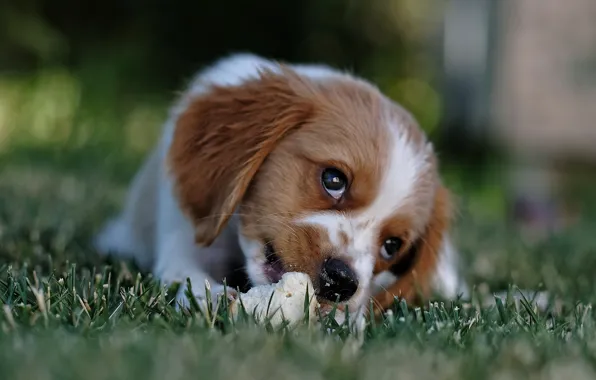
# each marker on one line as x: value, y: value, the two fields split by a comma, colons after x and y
x: 417, y: 269
x: 223, y: 137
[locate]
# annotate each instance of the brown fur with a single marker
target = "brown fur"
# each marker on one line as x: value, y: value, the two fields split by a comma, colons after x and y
x: 260, y: 148
x: 344, y: 132
x: 222, y: 139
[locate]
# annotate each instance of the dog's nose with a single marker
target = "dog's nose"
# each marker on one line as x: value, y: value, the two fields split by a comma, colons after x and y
x: 337, y: 281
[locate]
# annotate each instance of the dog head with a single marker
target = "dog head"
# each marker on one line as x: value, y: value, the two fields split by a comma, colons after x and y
x: 327, y: 176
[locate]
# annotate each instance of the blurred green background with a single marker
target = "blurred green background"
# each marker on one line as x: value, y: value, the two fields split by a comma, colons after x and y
x: 85, y: 87
x: 75, y: 74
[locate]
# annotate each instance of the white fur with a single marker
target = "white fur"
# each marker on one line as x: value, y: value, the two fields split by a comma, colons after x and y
x: 447, y: 280
x: 153, y: 230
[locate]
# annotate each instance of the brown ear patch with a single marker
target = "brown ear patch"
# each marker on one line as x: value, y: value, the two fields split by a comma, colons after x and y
x: 223, y: 137
x: 414, y: 283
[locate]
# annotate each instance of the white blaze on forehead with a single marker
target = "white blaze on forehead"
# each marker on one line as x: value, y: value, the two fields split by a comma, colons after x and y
x: 406, y: 166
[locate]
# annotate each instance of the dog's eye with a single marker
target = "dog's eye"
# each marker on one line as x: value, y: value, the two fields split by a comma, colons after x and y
x: 391, y: 247
x: 334, y: 182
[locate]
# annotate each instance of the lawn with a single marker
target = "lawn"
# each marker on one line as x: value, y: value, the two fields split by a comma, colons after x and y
x: 68, y: 314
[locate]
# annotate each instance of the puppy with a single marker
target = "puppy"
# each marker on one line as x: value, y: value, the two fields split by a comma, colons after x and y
x: 283, y: 167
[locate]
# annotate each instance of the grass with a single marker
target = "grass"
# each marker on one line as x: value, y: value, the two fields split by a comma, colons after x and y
x: 68, y: 314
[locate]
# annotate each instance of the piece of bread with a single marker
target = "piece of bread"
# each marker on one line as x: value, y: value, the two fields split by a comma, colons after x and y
x: 283, y: 301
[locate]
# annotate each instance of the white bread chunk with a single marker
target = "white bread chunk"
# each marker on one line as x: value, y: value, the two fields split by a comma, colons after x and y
x: 286, y: 304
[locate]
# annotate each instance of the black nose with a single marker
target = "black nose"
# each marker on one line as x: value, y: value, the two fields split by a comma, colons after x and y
x: 337, y: 281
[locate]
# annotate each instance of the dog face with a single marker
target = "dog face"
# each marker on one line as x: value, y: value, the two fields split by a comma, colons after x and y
x: 328, y: 177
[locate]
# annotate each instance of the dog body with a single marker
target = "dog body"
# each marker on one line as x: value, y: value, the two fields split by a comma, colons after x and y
x: 290, y: 168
